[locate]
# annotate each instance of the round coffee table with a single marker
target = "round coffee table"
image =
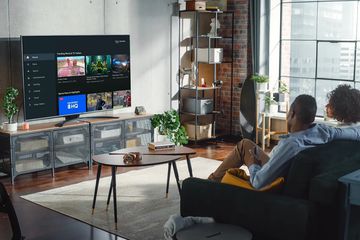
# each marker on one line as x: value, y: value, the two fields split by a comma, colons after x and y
x: 115, y: 161
x: 176, y: 151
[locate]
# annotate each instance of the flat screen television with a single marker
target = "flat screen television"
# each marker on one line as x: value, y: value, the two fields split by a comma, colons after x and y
x: 65, y: 76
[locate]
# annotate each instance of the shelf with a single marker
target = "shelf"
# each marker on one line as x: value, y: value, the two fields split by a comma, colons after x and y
x: 205, y: 11
x: 137, y: 131
x: 59, y: 163
x: 213, y: 37
x: 107, y: 139
x: 41, y: 150
x: 206, y: 51
x: 70, y: 145
x: 29, y: 165
x: 194, y: 114
x: 200, y: 88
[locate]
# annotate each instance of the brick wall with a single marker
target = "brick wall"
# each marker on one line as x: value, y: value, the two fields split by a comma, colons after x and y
x: 241, y: 65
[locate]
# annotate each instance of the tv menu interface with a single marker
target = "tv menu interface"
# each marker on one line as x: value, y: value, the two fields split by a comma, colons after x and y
x: 69, y: 75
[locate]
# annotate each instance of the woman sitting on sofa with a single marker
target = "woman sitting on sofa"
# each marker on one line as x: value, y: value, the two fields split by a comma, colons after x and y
x: 344, y: 105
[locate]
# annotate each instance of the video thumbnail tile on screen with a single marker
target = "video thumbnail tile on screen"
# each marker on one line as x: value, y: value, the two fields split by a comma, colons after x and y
x: 120, y: 64
x: 72, y: 104
x: 122, y: 99
x: 99, y: 101
x: 70, y: 66
x: 98, y: 65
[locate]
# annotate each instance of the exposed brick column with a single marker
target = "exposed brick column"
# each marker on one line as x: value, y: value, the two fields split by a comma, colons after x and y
x: 241, y: 65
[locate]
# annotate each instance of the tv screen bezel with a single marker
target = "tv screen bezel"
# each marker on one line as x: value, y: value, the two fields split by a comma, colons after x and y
x: 69, y: 115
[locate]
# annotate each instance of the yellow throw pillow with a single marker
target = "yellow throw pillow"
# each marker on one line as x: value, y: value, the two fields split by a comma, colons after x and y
x: 238, y: 177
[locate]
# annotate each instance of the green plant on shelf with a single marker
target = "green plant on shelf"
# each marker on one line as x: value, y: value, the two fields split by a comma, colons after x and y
x: 9, y: 105
x: 260, y: 78
x: 269, y: 100
x: 168, y: 123
x: 283, y: 88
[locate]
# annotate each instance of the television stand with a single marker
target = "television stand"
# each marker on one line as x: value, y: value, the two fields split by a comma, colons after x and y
x: 77, y: 118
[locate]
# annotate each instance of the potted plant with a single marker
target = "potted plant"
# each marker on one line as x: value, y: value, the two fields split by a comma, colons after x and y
x: 271, y: 105
x: 168, y: 123
x: 283, y: 90
x: 10, y: 108
x: 261, y: 81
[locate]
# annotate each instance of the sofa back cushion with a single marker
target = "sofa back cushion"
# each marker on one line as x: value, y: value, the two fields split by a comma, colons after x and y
x: 328, y: 160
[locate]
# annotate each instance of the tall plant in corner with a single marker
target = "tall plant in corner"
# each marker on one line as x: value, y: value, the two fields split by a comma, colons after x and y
x: 168, y: 123
x: 10, y: 108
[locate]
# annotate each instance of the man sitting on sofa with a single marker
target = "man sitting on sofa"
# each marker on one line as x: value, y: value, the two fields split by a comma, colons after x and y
x: 303, y: 134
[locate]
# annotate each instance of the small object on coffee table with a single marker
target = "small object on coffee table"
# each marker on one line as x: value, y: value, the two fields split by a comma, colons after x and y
x: 161, y: 145
x: 132, y: 157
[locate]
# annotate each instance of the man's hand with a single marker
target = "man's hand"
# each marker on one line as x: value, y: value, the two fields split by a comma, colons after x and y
x: 253, y: 158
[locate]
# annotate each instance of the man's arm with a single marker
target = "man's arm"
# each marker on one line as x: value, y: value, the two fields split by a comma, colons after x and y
x: 275, y: 167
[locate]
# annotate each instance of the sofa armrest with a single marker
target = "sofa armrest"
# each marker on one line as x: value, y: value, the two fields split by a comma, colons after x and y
x: 266, y: 215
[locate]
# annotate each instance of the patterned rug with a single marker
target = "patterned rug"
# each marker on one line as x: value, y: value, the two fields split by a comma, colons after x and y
x: 142, y: 206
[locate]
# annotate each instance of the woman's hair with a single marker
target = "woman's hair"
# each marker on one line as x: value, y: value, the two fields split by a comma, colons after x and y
x: 344, y: 102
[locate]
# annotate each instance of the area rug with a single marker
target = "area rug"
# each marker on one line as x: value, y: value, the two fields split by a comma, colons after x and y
x: 142, y: 206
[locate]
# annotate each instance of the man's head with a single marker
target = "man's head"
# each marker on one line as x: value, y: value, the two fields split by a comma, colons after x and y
x: 301, y: 113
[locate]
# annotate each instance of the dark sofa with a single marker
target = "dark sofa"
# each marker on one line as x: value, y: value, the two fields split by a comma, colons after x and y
x: 308, y: 207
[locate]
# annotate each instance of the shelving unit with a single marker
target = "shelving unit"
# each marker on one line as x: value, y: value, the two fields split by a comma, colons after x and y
x: 46, y: 147
x: 264, y: 118
x: 200, y: 56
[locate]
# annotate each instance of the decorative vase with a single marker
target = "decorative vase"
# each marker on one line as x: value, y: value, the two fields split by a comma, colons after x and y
x: 261, y: 87
x: 10, y: 127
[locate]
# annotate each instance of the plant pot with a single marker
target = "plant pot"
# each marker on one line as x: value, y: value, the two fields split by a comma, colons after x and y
x: 159, y: 137
x: 274, y: 108
x: 261, y: 87
x: 10, y: 127
x: 282, y: 97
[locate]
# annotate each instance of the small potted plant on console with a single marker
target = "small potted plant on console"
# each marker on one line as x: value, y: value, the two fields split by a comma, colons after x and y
x: 10, y: 108
x: 168, y: 124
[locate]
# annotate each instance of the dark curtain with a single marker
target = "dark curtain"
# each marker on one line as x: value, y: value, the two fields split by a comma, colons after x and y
x: 259, y: 44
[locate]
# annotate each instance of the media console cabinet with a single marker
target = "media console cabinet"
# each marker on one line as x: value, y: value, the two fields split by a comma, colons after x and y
x: 46, y: 147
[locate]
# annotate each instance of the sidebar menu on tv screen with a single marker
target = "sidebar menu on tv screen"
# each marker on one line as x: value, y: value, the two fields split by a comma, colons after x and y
x: 68, y: 75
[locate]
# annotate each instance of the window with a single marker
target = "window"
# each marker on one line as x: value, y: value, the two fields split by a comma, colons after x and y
x: 320, y: 47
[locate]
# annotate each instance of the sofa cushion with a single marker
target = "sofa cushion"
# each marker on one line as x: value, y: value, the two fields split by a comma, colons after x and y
x: 334, y: 157
x: 266, y: 215
x: 324, y: 187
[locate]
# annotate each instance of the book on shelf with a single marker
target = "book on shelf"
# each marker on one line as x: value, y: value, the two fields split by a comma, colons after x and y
x: 161, y: 145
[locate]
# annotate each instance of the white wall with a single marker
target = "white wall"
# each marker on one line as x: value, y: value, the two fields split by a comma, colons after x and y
x: 4, y: 30
x: 149, y: 24
x: 65, y: 17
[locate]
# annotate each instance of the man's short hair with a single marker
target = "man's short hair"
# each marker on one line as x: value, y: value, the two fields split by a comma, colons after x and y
x: 305, y: 108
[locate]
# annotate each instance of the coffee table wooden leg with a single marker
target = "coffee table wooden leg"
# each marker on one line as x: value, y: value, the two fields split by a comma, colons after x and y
x: 113, y: 171
x: 109, y: 195
x: 168, y: 180
x: 189, y: 165
x: 176, y: 175
x: 96, y: 186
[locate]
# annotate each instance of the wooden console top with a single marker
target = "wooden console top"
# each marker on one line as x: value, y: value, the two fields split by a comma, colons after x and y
x: 85, y: 121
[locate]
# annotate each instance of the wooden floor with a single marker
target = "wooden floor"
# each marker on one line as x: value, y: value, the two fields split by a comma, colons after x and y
x: 41, y: 223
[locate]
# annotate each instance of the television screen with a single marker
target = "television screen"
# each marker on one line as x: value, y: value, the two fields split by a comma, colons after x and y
x: 71, y: 75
